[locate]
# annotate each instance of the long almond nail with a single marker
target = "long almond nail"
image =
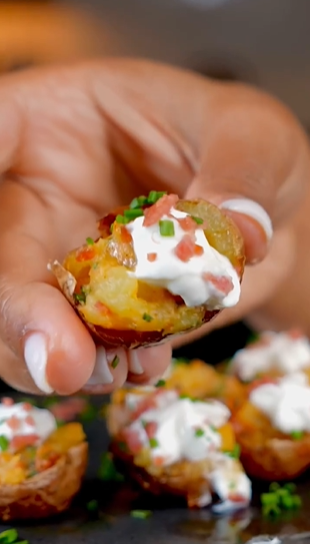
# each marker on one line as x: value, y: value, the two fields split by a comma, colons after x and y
x: 36, y: 355
x: 102, y: 374
x: 134, y: 364
x: 250, y: 208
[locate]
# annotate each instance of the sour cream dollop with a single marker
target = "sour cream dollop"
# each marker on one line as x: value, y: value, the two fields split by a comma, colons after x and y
x: 188, y: 279
x: 177, y: 429
x: 283, y: 352
x: 22, y: 419
x: 286, y: 403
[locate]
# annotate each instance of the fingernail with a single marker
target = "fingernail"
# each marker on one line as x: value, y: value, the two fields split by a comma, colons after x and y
x: 134, y: 364
x: 35, y: 355
x: 249, y: 207
x: 102, y: 373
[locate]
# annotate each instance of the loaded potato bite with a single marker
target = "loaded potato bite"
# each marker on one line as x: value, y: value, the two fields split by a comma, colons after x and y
x: 41, y: 467
x: 273, y: 428
x: 172, y: 444
x: 161, y: 266
x: 272, y: 354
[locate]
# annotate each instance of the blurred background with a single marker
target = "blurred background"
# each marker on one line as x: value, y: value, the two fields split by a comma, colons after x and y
x: 263, y: 42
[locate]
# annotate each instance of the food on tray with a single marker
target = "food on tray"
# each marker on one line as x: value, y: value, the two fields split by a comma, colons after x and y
x: 41, y: 466
x: 161, y: 266
x: 273, y: 428
x: 172, y: 444
x: 199, y: 380
x: 272, y: 354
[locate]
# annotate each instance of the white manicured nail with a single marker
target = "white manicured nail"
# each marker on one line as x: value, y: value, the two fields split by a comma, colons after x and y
x: 35, y: 354
x: 101, y: 374
x: 252, y: 209
x: 134, y: 364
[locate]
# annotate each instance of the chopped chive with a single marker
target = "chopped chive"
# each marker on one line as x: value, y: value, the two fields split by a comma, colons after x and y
x: 140, y: 514
x: 123, y: 446
x: 4, y: 443
x: 147, y: 317
x: 22, y: 542
x: 297, y: 435
x: 107, y: 470
x: 138, y: 202
x: 153, y: 443
x: 269, y: 498
x: 197, y: 220
x: 199, y: 432
x: 115, y: 361
x: 290, y: 487
x: 160, y: 383
x: 9, y: 536
x: 80, y: 297
x: 89, y: 414
x: 235, y: 453
x: 166, y: 227
x: 297, y: 502
x: 121, y: 220
x: 154, y: 196
x: 95, y: 265
x: 133, y: 214
x: 274, y: 486
x: 89, y: 241
x: 60, y: 423
x: 92, y: 506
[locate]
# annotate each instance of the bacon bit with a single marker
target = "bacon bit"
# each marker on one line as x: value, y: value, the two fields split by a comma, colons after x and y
x: 86, y: 254
x: 7, y: 401
x: 198, y: 250
x: 27, y: 406
x: 261, y: 381
x: 187, y: 224
x: 150, y: 429
x: 295, y: 334
x: 162, y: 207
x: 30, y: 421
x: 44, y: 464
x: 222, y: 284
x: 151, y: 257
x: 150, y: 401
x: 185, y: 249
x: 131, y: 438
x: 22, y: 441
x: 236, y: 497
x: 14, y: 423
x: 68, y: 409
x: 159, y: 461
x: 126, y: 237
x: 102, y: 308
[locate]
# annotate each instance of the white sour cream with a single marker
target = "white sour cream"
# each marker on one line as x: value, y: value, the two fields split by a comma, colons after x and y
x: 185, y: 430
x: 286, y: 403
x: 182, y: 278
x: 21, y: 420
x: 279, y: 352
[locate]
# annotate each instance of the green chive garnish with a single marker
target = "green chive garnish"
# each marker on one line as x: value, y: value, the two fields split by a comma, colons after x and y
x: 140, y: 514
x: 166, y: 227
x: 235, y: 453
x: 107, y: 470
x: 197, y: 220
x: 199, y: 432
x: 154, y: 196
x: 153, y: 443
x: 297, y: 435
x: 9, y: 537
x: 147, y: 317
x: 138, y: 202
x: 133, y: 214
x: 279, y: 499
x: 89, y: 241
x: 121, y: 220
x: 115, y: 361
x: 160, y: 383
x: 80, y: 297
x: 92, y: 506
x: 4, y: 443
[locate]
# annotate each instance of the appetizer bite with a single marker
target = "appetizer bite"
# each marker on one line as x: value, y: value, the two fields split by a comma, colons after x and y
x: 273, y: 428
x: 41, y: 467
x: 272, y: 354
x: 161, y: 267
x: 201, y: 381
x: 173, y: 445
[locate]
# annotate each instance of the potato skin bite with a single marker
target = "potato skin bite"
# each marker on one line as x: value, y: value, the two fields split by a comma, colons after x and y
x: 152, y: 314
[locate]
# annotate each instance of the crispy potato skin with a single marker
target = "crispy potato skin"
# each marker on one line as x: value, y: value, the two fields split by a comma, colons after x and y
x: 221, y: 233
x: 47, y: 493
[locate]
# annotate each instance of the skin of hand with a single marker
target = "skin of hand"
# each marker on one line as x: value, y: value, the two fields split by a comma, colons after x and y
x: 75, y: 142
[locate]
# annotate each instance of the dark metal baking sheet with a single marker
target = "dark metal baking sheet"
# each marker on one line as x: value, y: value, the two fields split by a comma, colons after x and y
x: 170, y: 522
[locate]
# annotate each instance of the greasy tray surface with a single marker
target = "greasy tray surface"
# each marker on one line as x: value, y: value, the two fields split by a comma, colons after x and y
x: 170, y: 522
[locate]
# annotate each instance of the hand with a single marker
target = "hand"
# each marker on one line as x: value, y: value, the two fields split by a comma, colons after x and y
x: 77, y: 141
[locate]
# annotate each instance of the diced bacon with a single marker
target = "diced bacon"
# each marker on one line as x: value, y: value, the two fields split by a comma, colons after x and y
x: 148, y: 402
x: 68, y: 409
x: 22, y: 441
x: 7, y: 401
x: 158, y: 461
x: 151, y: 257
x: 86, y: 254
x: 27, y: 406
x: 236, y: 497
x: 102, y: 308
x: 126, y: 237
x: 14, y: 423
x: 221, y: 283
x: 30, y: 421
x: 150, y: 428
x: 295, y: 334
x: 198, y: 250
x: 162, y: 207
x: 187, y: 224
x: 185, y: 249
x: 131, y: 438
